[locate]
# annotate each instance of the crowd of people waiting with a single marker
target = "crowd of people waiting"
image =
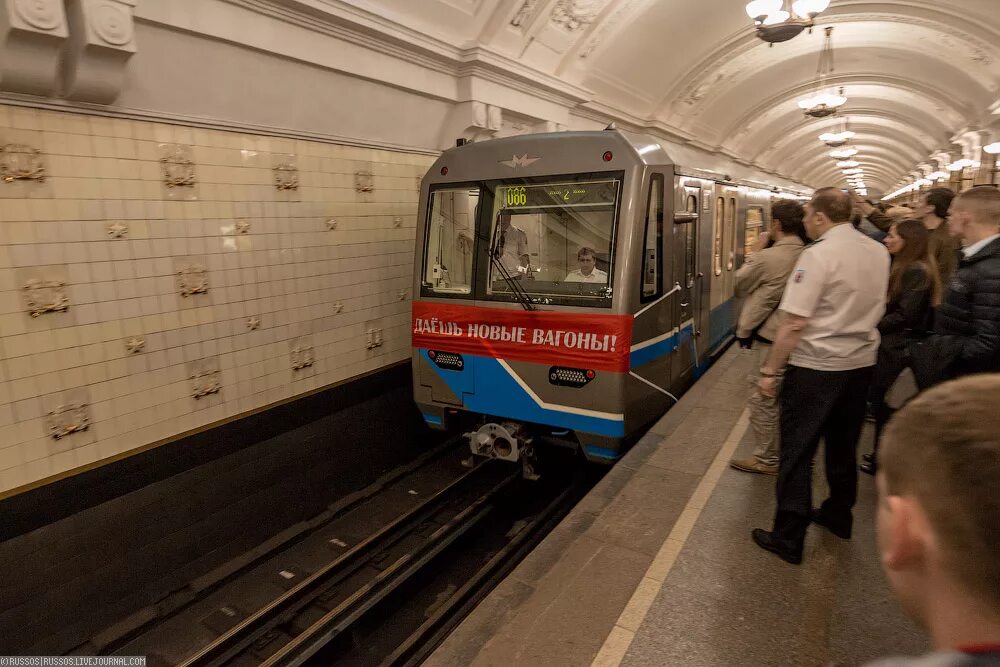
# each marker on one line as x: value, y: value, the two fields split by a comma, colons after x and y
x: 858, y: 308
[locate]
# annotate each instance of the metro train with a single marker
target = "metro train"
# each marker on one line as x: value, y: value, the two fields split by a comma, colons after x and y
x: 569, y: 286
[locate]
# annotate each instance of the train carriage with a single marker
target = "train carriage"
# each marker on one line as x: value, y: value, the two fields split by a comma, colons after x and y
x: 569, y: 286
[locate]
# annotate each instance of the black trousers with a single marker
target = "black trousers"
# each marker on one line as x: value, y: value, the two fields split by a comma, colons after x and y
x: 818, y: 404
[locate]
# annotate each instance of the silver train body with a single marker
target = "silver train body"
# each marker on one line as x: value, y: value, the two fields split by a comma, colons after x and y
x: 513, y: 331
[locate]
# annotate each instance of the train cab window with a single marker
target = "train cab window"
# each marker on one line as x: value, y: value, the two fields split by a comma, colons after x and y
x: 690, y: 246
x: 553, y: 241
x: 450, y: 240
x: 731, y: 234
x: 718, y: 242
x: 652, y: 269
x: 754, y: 228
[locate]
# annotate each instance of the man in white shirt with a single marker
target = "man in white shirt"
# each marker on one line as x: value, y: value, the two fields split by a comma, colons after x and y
x: 588, y: 271
x: 832, y: 305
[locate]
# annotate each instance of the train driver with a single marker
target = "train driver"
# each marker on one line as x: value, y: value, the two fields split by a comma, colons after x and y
x: 588, y: 271
x: 513, y: 247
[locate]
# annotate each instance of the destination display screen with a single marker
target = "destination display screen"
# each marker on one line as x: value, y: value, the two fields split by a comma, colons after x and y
x: 589, y: 194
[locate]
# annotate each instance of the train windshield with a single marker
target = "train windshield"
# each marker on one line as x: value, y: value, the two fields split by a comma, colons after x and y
x: 553, y: 241
x: 450, y: 240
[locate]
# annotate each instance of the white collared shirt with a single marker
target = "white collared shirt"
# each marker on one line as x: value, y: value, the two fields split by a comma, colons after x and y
x: 596, y: 276
x: 839, y: 285
x: 972, y: 249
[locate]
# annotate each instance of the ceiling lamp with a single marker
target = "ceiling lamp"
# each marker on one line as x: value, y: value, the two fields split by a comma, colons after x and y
x: 824, y: 103
x: 848, y: 163
x: 856, y: 170
x: 992, y: 149
x: 937, y: 176
x: 844, y: 152
x: 959, y: 165
x: 776, y: 22
x: 836, y: 139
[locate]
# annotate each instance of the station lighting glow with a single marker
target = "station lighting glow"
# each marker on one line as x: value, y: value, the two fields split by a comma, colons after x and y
x: 959, y: 165
x: 835, y: 139
x: 848, y: 163
x: 759, y: 8
x: 844, y: 152
x: 937, y: 176
x: 810, y: 7
x: 822, y: 101
x: 856, y: 170
x: 993, y: 148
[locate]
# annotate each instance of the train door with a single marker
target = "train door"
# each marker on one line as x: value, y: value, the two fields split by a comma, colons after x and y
x: 684, y: 265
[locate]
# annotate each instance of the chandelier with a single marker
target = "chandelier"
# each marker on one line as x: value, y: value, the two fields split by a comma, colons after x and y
x: 775, y: 23
x: 844, y: 153
x: 824, y: 103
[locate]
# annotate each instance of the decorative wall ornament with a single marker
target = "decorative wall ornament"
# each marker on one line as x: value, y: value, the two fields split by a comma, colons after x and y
x: 338, y: 308
x: 41, y: 14
x: 45, y: 296
x: 302, y: 356
x: 373, y: 338
x: 253, y: 323
x: 286, y: 172
x: 192, y: 279
x: 117, y: 230
x: 331, y: 224
x: 573, y: 15
x: 33, y: 34
x: 242, y: 226
x: 111, y: 22
x: 21, y: 163
x: 205, y: 381
x: 178, y: 167
x: 363, y: 181
x: 397, y: 222
x: 67, y: 419
x: 524, y: 13
x: 103, y: 42
x: 599, y: 36
x: 135, y: 344
x: 402, y: 294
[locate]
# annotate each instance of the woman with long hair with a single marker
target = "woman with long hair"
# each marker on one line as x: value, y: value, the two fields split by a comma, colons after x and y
x: 914, y: 292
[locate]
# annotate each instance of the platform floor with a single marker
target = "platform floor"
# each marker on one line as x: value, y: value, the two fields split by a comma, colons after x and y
x: 656, y: 565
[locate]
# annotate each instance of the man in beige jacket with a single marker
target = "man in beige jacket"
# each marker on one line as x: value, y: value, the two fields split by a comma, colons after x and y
x: 761, y: 282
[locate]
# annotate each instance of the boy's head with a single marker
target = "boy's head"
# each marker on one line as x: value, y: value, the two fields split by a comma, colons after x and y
x: 939, y: 497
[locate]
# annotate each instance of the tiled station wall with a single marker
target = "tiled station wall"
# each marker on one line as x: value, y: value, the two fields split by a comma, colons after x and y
x: 296, y: 257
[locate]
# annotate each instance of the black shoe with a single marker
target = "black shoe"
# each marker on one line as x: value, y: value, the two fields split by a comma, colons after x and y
x: 868, y: 458
x: 765, y: 540
x: 820, y: 520
x: 868, y: 468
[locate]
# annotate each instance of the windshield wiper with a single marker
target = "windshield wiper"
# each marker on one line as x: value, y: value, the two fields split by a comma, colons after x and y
x: 515, y: 285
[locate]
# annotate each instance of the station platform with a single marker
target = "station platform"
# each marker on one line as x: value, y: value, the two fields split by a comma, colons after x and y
x: 656, y: 566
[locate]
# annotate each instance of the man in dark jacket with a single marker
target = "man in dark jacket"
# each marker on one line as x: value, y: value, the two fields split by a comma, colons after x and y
x: 967, y: 326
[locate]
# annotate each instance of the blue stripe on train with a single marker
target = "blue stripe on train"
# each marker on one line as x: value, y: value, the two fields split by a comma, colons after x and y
x: 720, y: 323
x: 497, y: 393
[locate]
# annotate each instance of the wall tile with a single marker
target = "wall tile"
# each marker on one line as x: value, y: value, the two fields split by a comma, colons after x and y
x: 287, y: 270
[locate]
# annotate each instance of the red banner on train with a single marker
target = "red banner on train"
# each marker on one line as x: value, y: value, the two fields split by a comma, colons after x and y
x: 581, y: 340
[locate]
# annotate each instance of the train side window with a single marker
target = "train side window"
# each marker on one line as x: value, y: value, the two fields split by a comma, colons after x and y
x: 718, y: 240
x: 652, y: 263
x: 731, y: 231
x: 450, y: 240
x: 690, y: 254
x: 754, y: 228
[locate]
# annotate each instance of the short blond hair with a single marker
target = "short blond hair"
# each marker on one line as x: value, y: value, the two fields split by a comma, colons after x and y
x: 982, y: 203
x: 944, y: 449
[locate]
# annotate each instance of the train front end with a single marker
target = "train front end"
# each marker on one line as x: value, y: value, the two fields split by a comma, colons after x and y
x: 518, y: 337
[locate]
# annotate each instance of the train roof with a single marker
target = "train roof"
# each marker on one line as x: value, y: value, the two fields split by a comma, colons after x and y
x: 684, y: 158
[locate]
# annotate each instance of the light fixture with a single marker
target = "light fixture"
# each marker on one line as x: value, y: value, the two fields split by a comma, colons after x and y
x: 844, y: 152
x: 937, y: 176
x: 848, y: 163
x: 992, y: 149
x: 959, y: 165
x: 856, y: 170
x: 776, y: 22
x: 824, y: 103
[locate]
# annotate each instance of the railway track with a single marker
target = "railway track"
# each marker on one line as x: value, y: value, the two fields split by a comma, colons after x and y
x: 382, y: 579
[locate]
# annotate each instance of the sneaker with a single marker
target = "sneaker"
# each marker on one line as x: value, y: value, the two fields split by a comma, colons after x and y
x: 753, y: 465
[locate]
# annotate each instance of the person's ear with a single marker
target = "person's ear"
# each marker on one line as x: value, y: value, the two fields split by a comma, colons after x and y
x: 905, y: 538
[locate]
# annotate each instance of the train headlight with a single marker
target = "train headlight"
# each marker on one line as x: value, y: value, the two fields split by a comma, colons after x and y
x: 570, y: 377
x: 447, y: 360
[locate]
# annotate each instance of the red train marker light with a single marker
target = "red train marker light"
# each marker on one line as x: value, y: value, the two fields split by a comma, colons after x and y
x: 444, y: 171
x: 608, y: 156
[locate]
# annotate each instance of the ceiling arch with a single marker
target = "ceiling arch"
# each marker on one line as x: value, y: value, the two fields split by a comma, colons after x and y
x: 916, y: 72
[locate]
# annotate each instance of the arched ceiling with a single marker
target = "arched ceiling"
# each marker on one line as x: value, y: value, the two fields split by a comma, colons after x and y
x: 918, y: 74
